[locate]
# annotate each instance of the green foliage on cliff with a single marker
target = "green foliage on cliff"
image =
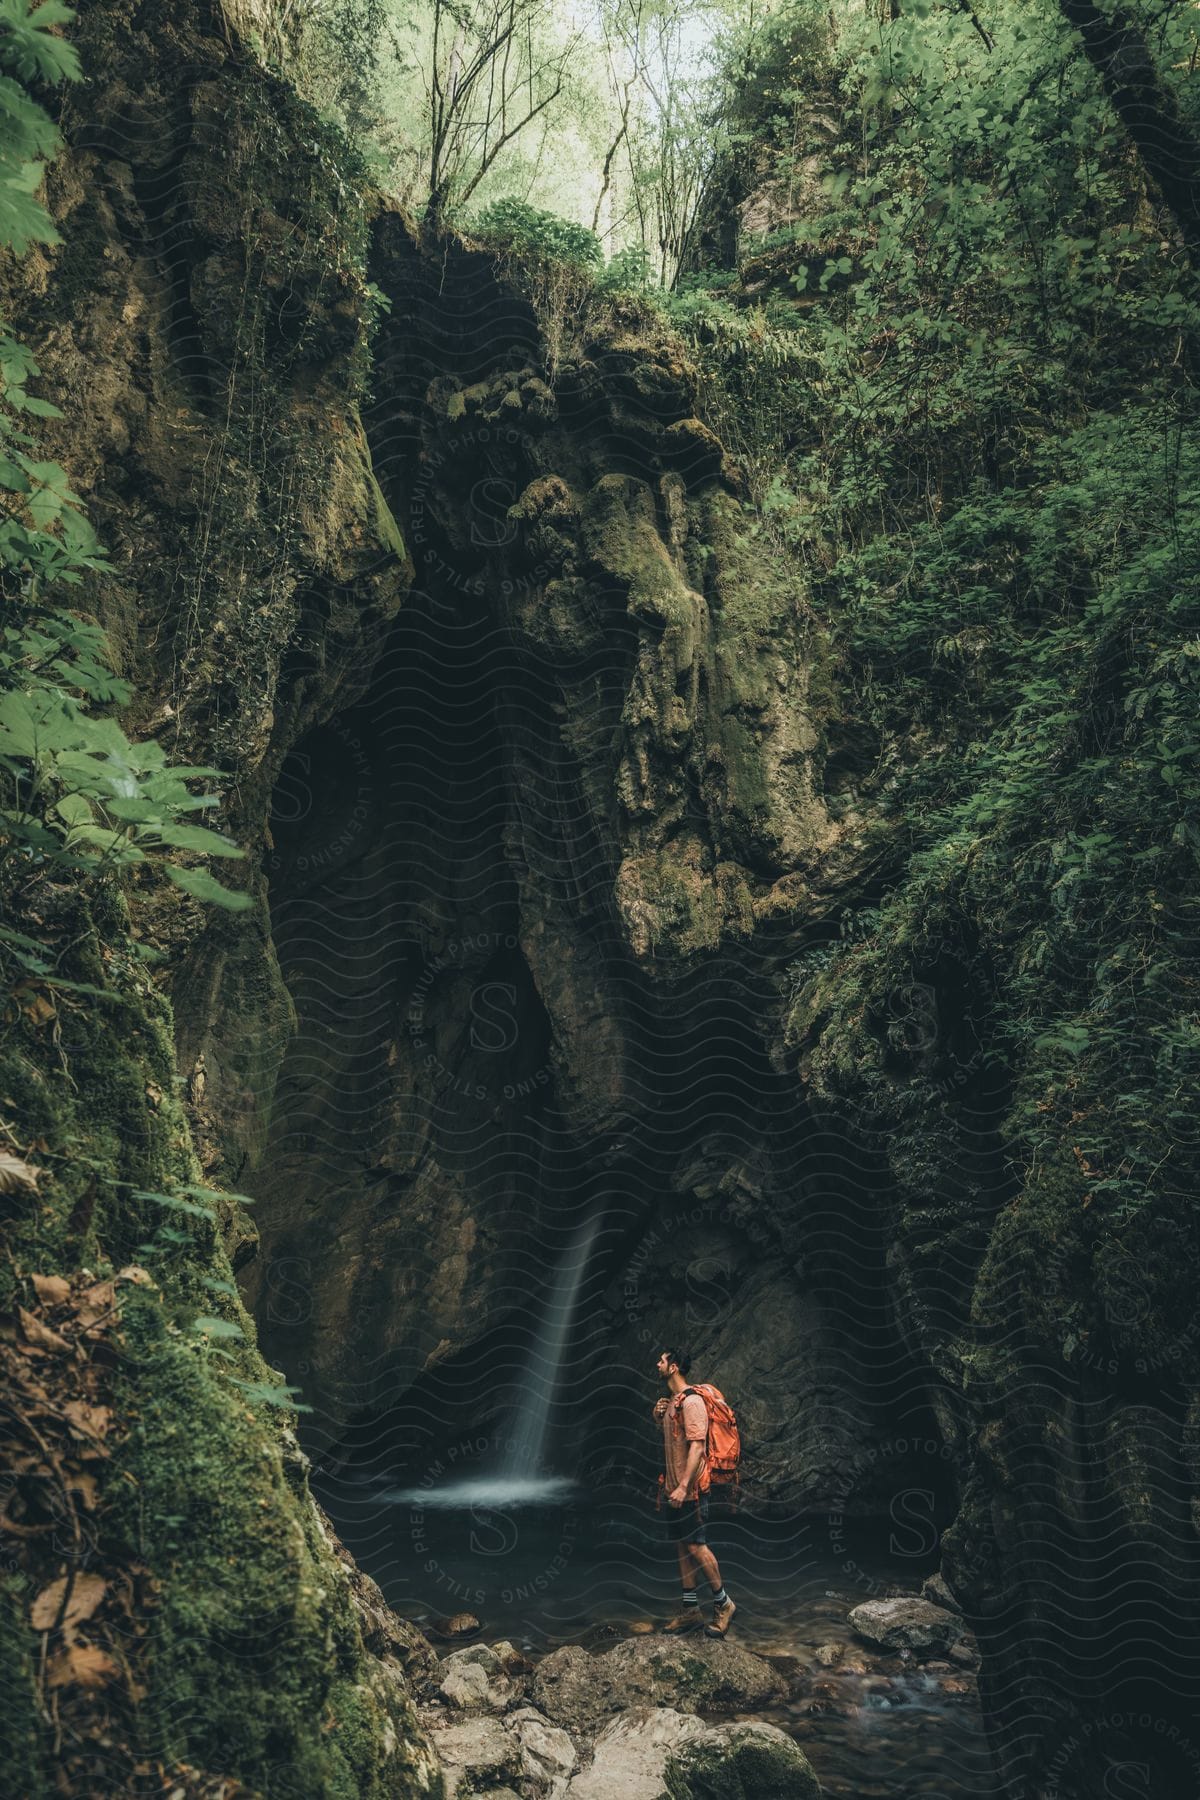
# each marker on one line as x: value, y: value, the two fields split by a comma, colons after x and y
x: 81, y: 797
x: 963, y: 383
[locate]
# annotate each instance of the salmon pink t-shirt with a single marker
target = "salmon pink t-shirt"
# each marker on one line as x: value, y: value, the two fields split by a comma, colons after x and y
x: 684, y: 1422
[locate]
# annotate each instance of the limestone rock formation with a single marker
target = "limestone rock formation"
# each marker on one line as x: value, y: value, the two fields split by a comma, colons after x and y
x: 906, y: 1624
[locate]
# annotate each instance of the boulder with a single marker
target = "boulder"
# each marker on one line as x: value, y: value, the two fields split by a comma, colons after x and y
x: 657, y: 1753
x: 475, y: 1755
x: 751, y: 1761
x: 630, y: 1756
x: 548, y: 1756
x: 578, y: 1690
x: 906, y: 1623
x: 829, y: 1655
x: 475, y: 1680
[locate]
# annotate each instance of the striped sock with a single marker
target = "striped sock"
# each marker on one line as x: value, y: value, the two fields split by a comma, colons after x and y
x: 720, y: 1597
x: 690, y: 1597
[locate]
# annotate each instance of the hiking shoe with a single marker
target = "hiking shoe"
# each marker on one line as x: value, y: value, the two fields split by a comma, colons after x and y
x: 687, y: 1620
x: 720, y: 1619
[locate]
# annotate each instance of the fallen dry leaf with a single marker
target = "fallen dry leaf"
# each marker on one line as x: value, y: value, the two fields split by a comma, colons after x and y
x: 93, y: 1420
x: 51, y: 1289
x: 84, y: 1665
x: 87, y: 1591
x: 14, y: 1173
x: 38, y: 1009
x: 38, y: 1334
x: 140, y: 1277
x: 87, y: 1487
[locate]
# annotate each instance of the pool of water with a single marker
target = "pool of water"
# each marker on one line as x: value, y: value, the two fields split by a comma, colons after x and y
x: 551, y: 1565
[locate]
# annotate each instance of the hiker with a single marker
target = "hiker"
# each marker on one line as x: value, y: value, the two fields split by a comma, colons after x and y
x: 684, y: 1484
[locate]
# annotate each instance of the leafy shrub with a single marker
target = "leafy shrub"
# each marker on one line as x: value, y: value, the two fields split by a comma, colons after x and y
x: 629, y: 271
x: 513, y: 225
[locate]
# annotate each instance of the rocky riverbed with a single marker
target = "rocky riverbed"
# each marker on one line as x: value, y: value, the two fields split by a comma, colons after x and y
x: 651, y: 1716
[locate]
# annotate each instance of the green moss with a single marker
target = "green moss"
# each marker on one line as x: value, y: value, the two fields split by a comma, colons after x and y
x: 20, y: 1723
x: 621, y: 534
x: 252, y: 1660
x: 255, y: 1664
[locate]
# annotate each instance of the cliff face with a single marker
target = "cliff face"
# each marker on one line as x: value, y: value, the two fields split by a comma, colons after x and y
x: 176, y: 1609
x: 534, y: 975
x: 536, y: 750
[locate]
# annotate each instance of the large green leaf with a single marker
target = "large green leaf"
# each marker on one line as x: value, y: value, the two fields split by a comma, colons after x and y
x: 203, y: 886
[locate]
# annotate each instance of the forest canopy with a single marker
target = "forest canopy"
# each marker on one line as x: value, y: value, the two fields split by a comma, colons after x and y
x: 615, y: 114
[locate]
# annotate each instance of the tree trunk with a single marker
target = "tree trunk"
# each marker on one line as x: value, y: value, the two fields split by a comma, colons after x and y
x: 1170, y: 153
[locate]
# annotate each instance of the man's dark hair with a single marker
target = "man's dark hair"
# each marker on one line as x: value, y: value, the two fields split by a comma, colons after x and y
x: 681, y: 1358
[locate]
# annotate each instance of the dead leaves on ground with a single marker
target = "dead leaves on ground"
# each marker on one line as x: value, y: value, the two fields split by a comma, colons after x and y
x: 90, y: 1607
x: 67, y: 1603
x: 57, y: 1431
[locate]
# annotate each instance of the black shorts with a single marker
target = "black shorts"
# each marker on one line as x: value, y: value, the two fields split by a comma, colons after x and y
x: 686, y: 1523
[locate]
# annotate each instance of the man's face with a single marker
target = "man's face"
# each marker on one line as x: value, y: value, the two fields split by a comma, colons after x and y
x: 664, y: 1365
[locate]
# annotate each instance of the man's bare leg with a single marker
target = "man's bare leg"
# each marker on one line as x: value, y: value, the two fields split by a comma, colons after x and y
x: 702, y: 1558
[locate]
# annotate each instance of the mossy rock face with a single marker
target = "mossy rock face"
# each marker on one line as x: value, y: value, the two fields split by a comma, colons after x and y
x: 242, y: 1646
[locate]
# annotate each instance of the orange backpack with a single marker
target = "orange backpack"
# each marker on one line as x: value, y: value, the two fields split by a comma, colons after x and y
x: 723, y: 1445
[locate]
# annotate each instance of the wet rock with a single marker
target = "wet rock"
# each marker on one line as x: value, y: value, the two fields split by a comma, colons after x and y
x: 936, y: 1589
x: 475, y: 1680
x: 476, y: 1755
x: 511, y: 1660
x: 965, y: 1653
x: 830, y: 1655
x: 459, y: 1625
x: 906, y: 1624
x: 789, y: 1668
x: 702, y: 1672
x: 547, y: 1754
x: 578, y: 1690
x: 956, y: 1687
x: 641, y: 1627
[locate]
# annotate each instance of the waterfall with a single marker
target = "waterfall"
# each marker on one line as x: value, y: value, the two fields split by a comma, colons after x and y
x: 518, y: 1479
x: 527, y: 1446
